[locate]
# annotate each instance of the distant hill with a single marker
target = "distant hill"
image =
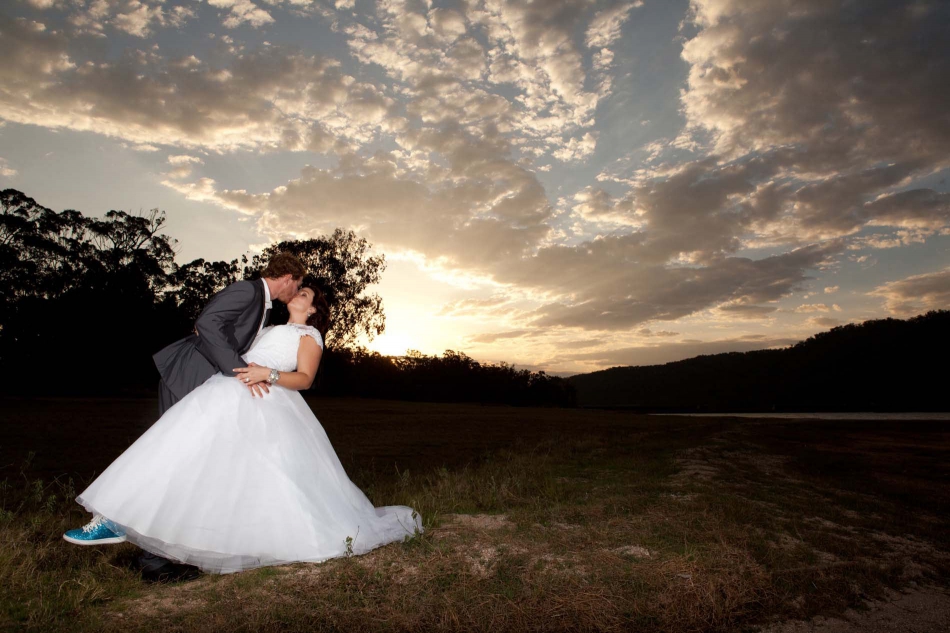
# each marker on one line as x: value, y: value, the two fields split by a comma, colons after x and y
x: 878, y: 365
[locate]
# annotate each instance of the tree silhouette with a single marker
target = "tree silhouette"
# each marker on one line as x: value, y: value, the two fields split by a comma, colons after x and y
x: 453, y: 377
x: 341, y: 266
x: 70, y: 284
x: 42, y: 253
x: 190, y: 286
x: 880, y: 364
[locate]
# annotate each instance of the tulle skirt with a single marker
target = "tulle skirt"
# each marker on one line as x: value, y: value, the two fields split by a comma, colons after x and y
x: 228, y: 482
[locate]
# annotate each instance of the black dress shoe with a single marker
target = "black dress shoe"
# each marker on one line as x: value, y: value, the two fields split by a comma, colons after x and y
x: 150, y: 562
x: 155, y: 568
x: 170, y: 572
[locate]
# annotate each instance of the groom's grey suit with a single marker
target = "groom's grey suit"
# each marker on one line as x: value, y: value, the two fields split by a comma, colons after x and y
x: 225, y: 330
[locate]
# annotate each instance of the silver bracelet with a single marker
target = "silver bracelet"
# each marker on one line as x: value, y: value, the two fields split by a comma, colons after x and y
x: 273, y: 377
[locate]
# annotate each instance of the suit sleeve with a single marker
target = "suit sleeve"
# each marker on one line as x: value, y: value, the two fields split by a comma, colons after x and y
x: 213, y: 340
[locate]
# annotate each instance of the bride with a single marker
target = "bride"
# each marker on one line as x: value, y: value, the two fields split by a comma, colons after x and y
x: 227, y: 481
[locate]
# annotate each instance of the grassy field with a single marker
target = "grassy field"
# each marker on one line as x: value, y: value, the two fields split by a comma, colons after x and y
x: 536, y: 519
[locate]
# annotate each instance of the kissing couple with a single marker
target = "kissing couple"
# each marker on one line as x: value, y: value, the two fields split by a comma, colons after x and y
x: 237, y: 472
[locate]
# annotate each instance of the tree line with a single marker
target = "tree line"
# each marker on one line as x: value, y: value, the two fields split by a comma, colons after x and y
x: 878, y: 365
x: 85, y: 302
x: 453, y: 377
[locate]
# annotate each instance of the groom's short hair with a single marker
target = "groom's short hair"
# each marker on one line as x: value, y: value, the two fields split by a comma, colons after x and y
x: 282, y: 264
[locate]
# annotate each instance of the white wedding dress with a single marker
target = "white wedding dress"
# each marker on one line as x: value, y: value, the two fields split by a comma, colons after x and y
x: 226, y: 481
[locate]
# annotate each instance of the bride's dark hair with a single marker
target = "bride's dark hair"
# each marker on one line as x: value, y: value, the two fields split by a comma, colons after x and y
x: 320, y: 319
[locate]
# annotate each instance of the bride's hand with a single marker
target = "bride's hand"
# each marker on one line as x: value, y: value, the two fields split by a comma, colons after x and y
x: 253, y: 374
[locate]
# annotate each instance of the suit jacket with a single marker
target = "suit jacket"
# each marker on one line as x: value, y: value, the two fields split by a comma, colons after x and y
x: 226, y: 328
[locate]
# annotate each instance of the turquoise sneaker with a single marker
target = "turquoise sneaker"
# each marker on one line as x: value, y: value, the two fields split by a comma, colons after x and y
x: 99, y: 531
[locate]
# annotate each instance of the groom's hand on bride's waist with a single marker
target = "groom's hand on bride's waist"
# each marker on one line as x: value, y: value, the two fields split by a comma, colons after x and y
x: 255, y: 377
x: 259, y: 389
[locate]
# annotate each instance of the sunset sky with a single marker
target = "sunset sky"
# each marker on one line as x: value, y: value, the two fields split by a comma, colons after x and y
x: 563, y: 185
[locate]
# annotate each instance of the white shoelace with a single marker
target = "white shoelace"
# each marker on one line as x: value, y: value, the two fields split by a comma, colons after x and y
x: 92, y: 525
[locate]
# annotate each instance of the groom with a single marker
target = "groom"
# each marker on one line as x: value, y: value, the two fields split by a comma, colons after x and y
x: 225, y: 330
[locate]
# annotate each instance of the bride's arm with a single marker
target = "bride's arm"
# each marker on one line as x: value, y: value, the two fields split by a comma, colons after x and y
x: 308, y: 359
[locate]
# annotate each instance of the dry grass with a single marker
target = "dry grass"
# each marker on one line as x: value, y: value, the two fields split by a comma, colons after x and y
x: 686, y: 525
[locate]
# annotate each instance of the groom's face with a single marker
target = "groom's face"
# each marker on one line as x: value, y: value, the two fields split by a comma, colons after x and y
x: 289, y: 289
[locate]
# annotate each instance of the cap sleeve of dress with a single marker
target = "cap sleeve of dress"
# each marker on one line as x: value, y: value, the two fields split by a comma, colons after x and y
x: 313, y: 333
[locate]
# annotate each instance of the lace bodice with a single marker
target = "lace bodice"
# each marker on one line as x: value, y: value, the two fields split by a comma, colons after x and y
x: 276, y: 346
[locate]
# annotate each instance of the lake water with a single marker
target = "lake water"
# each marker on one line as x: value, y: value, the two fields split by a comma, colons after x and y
x: 824, y: 416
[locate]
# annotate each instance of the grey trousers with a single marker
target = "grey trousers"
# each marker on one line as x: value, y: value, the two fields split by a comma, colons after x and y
x: 165, y: 398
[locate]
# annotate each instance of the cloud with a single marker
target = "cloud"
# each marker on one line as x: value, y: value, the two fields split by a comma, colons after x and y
x: 577, y: 148
x: 594, y: 204
x: 496, y: 336
x: 474, y: 307
x: 6, y: 170
x: 455, y: 66
x: 30, y: 54
x: 745, y: 311
x: 809, y: 87
x: 648, y: 332
x: 817, y: 307
x: 580, y: 343
x: 182, y: 165
x: 447, y: 23
x: 917, y: 208
x: 242, y: 11
x: 137, y: 19
x: 485, y: 215
x: 184, y: 160
x: 821, y: 75
x: 831, y: 289
x: 823, y: 322
x: 446, y: 221
x: 491, y: 213
x: 133, y: 17
x: 812, y: 307
x: 611, y: 294
x: 604, y: 29
x: 916, y: 294
x: 540, y: 35
x: 265, y: 100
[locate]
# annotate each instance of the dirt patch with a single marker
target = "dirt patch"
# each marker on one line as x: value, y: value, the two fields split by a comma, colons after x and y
x: 166, y: 601
x: 694, y: 463
x: 709, y: 461
x: 636, y: 551
x: 405, y: 575
x: 828, y: 525
x: 570, y: 564
x: 789, y: 542
x: 768, y: 464
x: 481, y: 559
x: 913, y: 553
x: 566, y: 527
x: 680, y: 497
x: 921, y: 609
x: 310, y: 569
x: 477, y: 522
